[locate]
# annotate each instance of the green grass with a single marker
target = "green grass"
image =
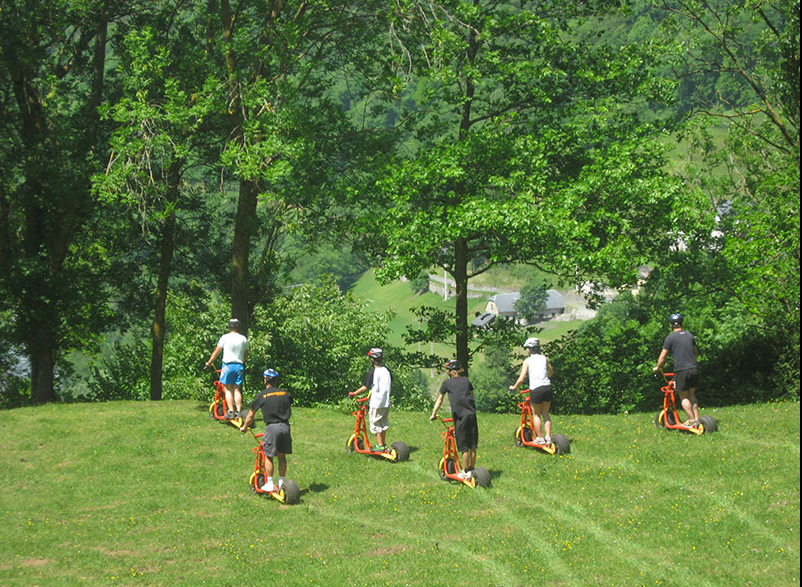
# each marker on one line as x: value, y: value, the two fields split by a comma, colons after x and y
x: 156, y: 494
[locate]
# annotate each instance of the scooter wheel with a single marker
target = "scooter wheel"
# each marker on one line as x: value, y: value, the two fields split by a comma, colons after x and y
x: 658, y: 421
x: 522, y: 436
x: 482, y: 476
x: 292, y: 494
x: 354, y: 443
x: 401, y: 451
x: 446, y: 466
x: 561, y: 444
x: 709, y: 423
x: 260, y: 480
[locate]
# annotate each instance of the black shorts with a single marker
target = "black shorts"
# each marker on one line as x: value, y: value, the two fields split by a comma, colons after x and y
x: 466, y: 431
x: 541, y: 394
x: 277, y: 439
x: 686, y: 380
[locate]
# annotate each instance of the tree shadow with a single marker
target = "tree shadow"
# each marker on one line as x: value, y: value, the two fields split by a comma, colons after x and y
x: 315, y: 488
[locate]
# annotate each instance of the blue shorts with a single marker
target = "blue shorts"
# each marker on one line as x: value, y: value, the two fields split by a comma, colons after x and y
x: 232, y: 374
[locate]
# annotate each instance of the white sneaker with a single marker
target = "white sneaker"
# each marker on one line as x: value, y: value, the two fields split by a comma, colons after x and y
x: 540, y: 440
x: 548, y: 440
x: 268, y: 487
x: 281, y: 482
x: 462, y: 475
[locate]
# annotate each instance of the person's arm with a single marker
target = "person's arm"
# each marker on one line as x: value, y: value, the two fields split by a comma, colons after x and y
x: 437, y: 405
x: 362, y: 389
x: 215, y: 352
x: 245, y: 357
x: 248, y: 422
x: 549, y: 368
x: 660, y: 360
x: 521, y: 377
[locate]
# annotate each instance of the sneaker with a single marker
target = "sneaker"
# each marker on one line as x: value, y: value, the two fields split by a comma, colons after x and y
x: 548, y: 440
x: 540, y: 440
x: 281, y: 482
x: 378, y: 448
x: 469, y: 474
x: 463, y: 475
x: 268, y: 487
x: 230, y: 415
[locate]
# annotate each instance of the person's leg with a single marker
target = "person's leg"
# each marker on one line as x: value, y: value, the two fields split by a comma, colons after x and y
x: 268, y: 486
x: 544, y: 416
x: 687, y: 405
x: 381, y: 438
x: 536, y: 419
x: 238, y: 398
x: 694, y: 403
x: 229, y: 389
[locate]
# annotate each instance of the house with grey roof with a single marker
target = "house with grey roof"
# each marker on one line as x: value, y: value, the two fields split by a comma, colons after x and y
x: 502, y: 305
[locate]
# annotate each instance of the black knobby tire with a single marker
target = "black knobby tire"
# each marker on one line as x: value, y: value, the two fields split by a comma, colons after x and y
x: 354, y: 443
x: 561, y: 444
x: 482, y: 476
x: 658, y: 421
x: 260, y: 480
x: 292, y: 494
x: 218, y: 409
x: 401, y: 451
x: 523, y: 434
x: 670, y: 419
x: 709, y: 423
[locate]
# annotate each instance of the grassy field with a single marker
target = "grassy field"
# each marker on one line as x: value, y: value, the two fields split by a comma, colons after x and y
x: 156, y: 494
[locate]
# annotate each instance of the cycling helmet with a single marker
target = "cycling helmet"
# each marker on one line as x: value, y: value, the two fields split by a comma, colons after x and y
x: 270, y: 374
x: 375, y: 353
x: 233, y: 324
x: 532, y: 343
x: 453, y: 365
x: 675, y: 319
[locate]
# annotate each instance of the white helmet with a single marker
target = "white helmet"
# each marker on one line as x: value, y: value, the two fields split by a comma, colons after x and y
x: 532, y: 343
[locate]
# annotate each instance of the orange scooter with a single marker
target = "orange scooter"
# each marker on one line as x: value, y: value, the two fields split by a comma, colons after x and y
x: 359, y: 441
x: 288, y: 492
x: 219, y: 406
x: 669, y: 418
x: 450, y: 465
x: 524, y: 435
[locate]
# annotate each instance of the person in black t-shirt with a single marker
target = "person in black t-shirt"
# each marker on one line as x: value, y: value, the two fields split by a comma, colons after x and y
x: 682, y: 346
x: 463, y: 410
x: 276, y: 411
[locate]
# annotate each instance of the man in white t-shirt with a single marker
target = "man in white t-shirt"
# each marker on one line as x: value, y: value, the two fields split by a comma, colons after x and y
x: 235, y: 352
x: 379, y: 381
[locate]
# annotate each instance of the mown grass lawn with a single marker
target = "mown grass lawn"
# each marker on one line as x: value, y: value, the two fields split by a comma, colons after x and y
x: 156, y: 494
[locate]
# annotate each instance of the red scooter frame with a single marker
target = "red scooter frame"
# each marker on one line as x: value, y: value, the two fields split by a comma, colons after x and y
x: 525, y: 436
x: 219, y: 407
x: 359, y: 441
x: 289, y: 492
x: 669, y: 417
x: 450, y: 465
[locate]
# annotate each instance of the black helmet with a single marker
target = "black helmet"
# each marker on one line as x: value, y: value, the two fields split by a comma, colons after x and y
x: 453, y: 365
x: 675, y: 319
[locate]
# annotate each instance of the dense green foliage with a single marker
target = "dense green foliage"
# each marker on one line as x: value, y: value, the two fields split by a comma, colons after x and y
x: 169, y: 165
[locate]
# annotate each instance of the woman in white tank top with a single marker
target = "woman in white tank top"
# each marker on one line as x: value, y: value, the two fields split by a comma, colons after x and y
x: 539, y: 370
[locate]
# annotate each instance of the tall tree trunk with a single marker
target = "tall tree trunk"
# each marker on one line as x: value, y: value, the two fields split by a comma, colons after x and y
x: 240, y: 271
x: 158, y: 329
x: 461, y: 282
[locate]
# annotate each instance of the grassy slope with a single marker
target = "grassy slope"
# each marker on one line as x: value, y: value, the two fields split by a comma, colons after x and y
x: 155, y: 494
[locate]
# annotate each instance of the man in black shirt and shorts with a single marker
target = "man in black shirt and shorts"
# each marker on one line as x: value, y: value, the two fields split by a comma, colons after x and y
x: 463, y: 410
x: 682, y: 346
x: 275, y: 405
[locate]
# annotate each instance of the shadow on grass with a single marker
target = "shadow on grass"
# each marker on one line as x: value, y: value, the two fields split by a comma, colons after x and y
x: 315, y: 488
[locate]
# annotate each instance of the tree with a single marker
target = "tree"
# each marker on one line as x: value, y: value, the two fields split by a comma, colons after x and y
x: 52, y: 68
x: 739, y: 218
x: 525, y: 149
x: 532, y: 301
x: 159, y: 121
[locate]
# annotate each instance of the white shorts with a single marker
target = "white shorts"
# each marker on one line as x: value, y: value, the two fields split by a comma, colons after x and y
x: 379, y: 419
